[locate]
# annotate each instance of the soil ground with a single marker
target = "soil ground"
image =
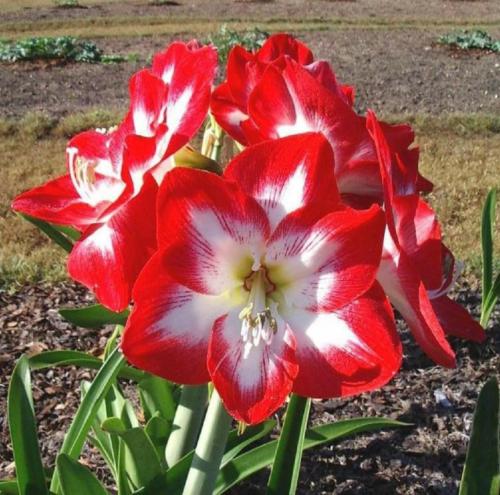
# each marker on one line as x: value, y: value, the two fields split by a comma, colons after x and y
x: 402, y: 10
x: 394, y: 69
x: 425, y: 458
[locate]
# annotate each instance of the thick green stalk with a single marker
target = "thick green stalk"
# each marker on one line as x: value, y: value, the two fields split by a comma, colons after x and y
x: 218, y: 134
x: 209, y: 450
x: 187, y: 421
x: 286, y: 466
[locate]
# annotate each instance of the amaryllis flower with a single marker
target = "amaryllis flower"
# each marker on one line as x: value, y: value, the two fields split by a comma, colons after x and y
x: 109, y: 193
x: 245, y: 69
x: 302, y: 103
x: 416, y: 270
x: 264, y: 283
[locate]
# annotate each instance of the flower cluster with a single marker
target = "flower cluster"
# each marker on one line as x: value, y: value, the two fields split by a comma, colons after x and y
x: 278, y: 275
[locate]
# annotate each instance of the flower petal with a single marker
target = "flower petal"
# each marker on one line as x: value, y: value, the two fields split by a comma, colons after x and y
x: 227, y: 112
x: 324, y: 265
x: 148, y: 95
x: 213, y: 231
x: 57, y: 201
x: 419, y: 236
x: 188, y: 70
x: 252, y: 380
x: 109, y: 256
x: 409, y: 296
x: 456, y: 320
x: 350, y: 351
x: 301, y: 104
x: 284, y: 44
x: 169, y: 329
x: 286, y: 174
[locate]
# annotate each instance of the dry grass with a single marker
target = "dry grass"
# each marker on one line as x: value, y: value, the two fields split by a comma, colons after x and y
x: 459, y: 154
x: 120, y: 26
x: 25, y: 254
x: 463, y: 171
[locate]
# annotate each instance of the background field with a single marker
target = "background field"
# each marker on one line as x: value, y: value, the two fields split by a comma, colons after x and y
x: 388, y: 51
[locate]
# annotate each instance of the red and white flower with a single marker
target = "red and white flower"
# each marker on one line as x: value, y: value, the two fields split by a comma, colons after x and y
x: 109, y: 193
x: 264, y: 283
x: 416, y: 269
x: 306, y: 97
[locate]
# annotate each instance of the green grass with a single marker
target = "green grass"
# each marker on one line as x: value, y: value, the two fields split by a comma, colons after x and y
x: 459, y: 153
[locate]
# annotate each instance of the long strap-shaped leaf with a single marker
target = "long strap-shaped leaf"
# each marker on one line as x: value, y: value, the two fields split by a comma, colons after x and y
x: 51, y: 231
x: 481, y: 475
x: 82, y: 421
x: 490, y: 301
x: 76, y: 478
x: 22, y: 425
x: 286, y: 465
x: 172, y: 481
x: 260, y: 457
x: 48, y: 359
x: 94, y: 316
x: 9, y: 487
x: 487, y: 221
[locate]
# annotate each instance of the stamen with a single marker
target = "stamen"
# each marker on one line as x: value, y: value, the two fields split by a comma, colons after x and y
x: 258, y: 323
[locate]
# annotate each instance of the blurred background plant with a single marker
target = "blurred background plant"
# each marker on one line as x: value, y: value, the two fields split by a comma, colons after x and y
x: 64, y: 48
x: 226, y: 38
x: 470, y: 39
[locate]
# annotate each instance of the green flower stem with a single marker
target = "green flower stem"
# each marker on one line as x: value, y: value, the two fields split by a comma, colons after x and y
x: 187, y: 422
x: 213, y: 140
x: 210, y: 449
x: 218, y: 134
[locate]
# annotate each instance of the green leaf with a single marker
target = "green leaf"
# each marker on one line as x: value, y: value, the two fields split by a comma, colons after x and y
x: 94, y: 316
x: 172, y: 482
x: 490, y: 301
x: 22, y: 425
x: 98, y: 438
x: 487, y: 221
x: 9, y: 487
x: 82, y: 421
x: 143, y: 464
x: 114, y: 426
x: 260, y: 457
x: 482, y: 464
x: 122, y: 480
x: 158, y: 430
x: 157, y: 397
x: 76, y: 478
x: 286, y: 465
x: 51, y: 231
x: 236, y: 443
x: 73, y: 234
x: 48, y: 359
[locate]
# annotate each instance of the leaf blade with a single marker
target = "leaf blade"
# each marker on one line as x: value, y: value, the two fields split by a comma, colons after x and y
x: 482, y: 464
x: 258, y: 458
x: 94, y: 316
x: 23, y: 433
x: 286, y: 464
x: 48, y: 359
x: 76, y: 478
x: 487, y: 221
x: 82, y: 421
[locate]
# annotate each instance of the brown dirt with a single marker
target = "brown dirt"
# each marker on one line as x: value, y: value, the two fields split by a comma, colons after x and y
x: 402, y: 10
x: 426, y: 458
x: 393, y: 71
